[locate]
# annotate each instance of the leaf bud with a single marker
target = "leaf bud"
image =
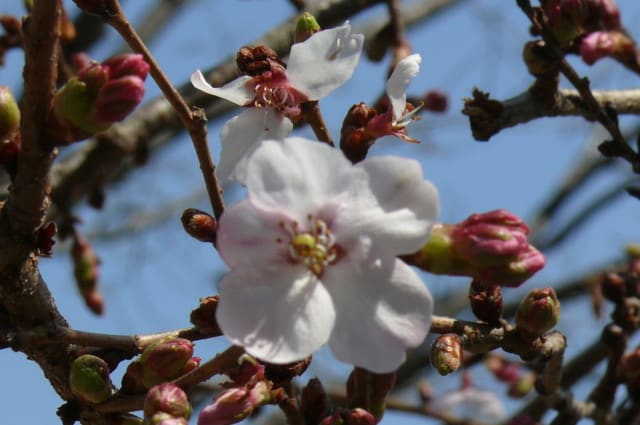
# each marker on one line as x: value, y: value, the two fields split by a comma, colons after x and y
x: 538, y: 312
x: 89, y: 379
x: 446, y: 353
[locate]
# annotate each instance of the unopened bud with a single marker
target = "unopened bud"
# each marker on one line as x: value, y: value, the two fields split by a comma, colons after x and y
x: 522, y: 386
x: 305, y: 28
x: 163, y: 418
x: 314, y: 402
x: 118, y: 98
x: 9, y: 114
x: 335, y: 419
x: 486, y: 301
x: 446, y: 353
x: 538, y: 312
x: 492, y: 247
x: 613, y: 287
x: 94, y: 7
x: 85, y: 270
x: 89, y: 379
x: 360, y: 416
x: 204, y: 316
x: 565, y: 19
x: 199, y: 225
x: 236, y: 404
x: 165, y: 360
x: 168, y: 398
x: 127, y: 65
x: 132, y: 379
x: 600, y: 44
x: 435, y: 101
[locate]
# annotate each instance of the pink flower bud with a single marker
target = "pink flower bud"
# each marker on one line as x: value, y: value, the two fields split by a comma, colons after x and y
x: 492, y: 247
x: 360, y: 416
x: 165, y: 360
x: 95, y: 76
x: 235, y: 404
x: 118, y: 98
x: 168, y: 398
x: 163, y: 418
x: 89, y: 379
x: 600, y: 44
x: 538, y: 312
x: 446, y: 353
x: 126, y: 65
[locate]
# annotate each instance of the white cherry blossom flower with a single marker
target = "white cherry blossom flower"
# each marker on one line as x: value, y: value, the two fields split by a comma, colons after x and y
x: 313, y: 256
x: 395, y: 120
x: 316, y: 67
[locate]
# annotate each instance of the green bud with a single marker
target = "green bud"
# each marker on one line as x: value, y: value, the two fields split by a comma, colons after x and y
x: 73, y: 104
x: 165, y: 360
x: 538, y: 312
x: 9, y: 113
x: 89, y: 379
x: 306, y: 27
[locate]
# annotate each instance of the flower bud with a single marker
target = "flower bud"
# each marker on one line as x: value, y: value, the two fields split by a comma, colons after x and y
x: 446, y: 353
x: 89, y: 379
x: 86, y: 270
x: 335, y: 419
x: 126, y: 65
x: 522, y: 386
x: 630, y: 371
x: 314, y: 402
x: 94, y: 7
x: 538, y: 312
x: 163, y: 418
x: 9, y: 114
x: 168, y: 398
x: 199, y: 225
x: 72, y: 105
x: 502, y: 369
x: 132, y: 379
x: 435, y: 101
x: 236, y: 404
x: 565, y: 19
x: 118, y: 98
x: 165, y: 360
x: 305, y: 28
x: 613, y: 287
x: 600, y: 44
x: 486, y: 301
x: 360, y: 416
x: 491, y: 247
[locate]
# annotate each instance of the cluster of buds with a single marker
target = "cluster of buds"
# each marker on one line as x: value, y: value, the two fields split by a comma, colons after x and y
x: 592, y: 28
x: 89, y: 379
x: 248, y: 390
x: 166, y: 404
x: 538, y: 313
x: 9, y: 130
x: 446, y: 353
x: 520, y: 383
x: 492, y: 247
x: 162, y: 361
x: 100, y: 94
x: 86, y: 268
x: 369, y: 390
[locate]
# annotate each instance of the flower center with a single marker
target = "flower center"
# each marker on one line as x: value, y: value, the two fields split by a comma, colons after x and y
x: 273, y: 90
x: 315, y: 248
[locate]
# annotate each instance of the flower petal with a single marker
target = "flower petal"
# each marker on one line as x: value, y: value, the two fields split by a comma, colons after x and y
x: 299, y: 176
x: 381, y: 309
x: 235, y: 91
x: 391, y: 203
x: 472, y: 403
x: 324, y: 61
x: 242, y: 134
x: 403, y: 73
x: 248, y: 237
x: 277, y: 317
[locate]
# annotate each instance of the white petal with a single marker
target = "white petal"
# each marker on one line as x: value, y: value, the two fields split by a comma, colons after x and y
x: 248, y: 237
x: 235, y: 91
x: 382, y: 308
x: 403, y: 73
x: 472, y: 403
x: 242, y: 134
x: 391, y: 203
x: 299, y: 176
x: 279, y: 318
x: 325, y: 61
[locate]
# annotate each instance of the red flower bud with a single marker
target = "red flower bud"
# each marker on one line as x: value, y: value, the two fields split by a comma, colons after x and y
x: 165, y: 360
x: 127, y: 65
x: 118, y: 98
x: 167, y: 398
x: 538, y: 312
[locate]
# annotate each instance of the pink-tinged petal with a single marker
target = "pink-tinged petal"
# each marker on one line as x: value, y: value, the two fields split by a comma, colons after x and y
x: 299, y: 176
x: 382, y: 308
x: 472, y: 403
x: 277, y: 317
x: 248, y: 237
x: 403, y: 73
x: 325, y: 61
x: 242, y: 134
x: 391, y: 203
x: 236, y: 91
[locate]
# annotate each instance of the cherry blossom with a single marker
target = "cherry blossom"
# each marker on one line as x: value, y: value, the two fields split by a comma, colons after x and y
x: 313, y: 256
x: 316, y: 67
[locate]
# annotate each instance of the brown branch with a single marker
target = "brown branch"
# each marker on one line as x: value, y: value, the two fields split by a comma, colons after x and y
x: 194, y: 121
x: 489, y: 116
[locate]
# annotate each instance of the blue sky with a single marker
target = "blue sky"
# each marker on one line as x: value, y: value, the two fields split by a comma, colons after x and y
x: 152, y: 279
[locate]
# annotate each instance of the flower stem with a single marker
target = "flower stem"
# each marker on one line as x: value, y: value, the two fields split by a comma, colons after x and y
x: 194, y: 120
